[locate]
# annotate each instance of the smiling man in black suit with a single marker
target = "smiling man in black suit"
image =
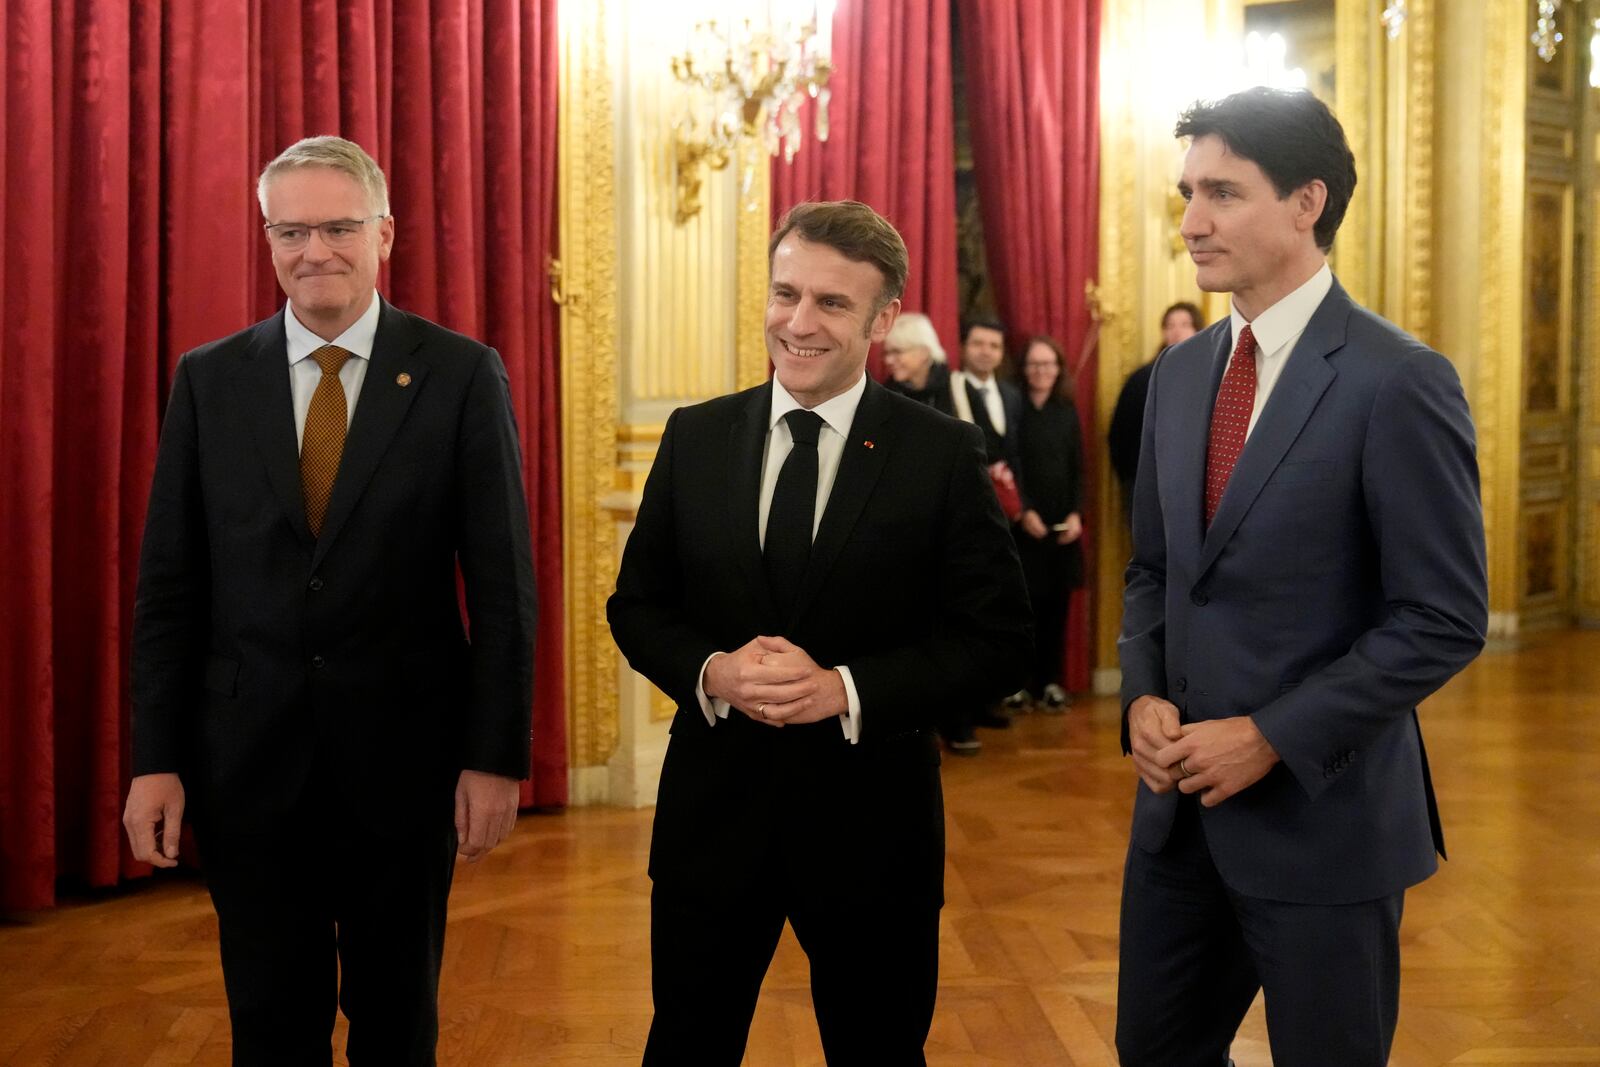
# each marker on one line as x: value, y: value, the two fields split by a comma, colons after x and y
x: 303, y: 689
x: 818, y: 567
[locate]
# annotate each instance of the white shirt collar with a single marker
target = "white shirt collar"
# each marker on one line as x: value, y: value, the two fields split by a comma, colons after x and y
x: 357, y: 340
x: 839, y: 413
x: 1287, y: 319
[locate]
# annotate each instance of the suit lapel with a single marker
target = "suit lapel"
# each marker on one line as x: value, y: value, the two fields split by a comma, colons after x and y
x: 1305, y: 377
x: 747, y: 446
x: 268, y: 405
x: 380, y: 409
x: 859, y: 468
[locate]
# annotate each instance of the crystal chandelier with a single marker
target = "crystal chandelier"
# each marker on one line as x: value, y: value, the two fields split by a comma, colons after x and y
x: 1545, y: 35
x: 1394, y: 18
x: 743, y: 81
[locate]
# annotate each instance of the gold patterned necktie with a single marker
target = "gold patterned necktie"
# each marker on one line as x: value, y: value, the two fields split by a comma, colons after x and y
x: 322, y: 443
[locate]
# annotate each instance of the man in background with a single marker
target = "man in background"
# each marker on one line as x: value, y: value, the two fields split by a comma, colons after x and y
x: 1308, y: 566
x: 1179, y: 322
x: 304, y: 693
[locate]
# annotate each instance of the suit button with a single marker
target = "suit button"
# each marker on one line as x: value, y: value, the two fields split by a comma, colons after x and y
x: 316, y: 584
x: 1198, y: 599
x: 318, y: 662
x: 1182, y: 685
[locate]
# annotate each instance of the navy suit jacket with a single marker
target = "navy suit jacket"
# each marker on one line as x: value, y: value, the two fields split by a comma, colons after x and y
x: 1341, y: 583
x: 259, y: 649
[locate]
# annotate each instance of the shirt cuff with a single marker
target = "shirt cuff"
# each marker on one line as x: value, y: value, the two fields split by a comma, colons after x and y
x: 712, y: 708
x: 851, y: 721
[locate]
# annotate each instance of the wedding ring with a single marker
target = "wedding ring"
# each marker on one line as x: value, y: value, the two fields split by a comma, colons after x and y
x: 762, y: 711
x: 1182, y: 766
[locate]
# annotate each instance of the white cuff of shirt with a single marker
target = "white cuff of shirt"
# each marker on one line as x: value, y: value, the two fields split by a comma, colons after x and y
x: 713, y: 708
x: 851, y: 721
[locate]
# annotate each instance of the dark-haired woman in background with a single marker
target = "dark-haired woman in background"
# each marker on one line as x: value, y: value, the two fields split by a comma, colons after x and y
x: 1051, y: 453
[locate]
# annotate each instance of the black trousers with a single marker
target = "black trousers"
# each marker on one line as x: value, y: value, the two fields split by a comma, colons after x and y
x: 1194, y: 954
x: 320, y: 914
x: 874, y: 973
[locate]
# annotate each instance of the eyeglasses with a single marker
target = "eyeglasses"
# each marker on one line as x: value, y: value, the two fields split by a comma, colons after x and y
x: 336, y: 233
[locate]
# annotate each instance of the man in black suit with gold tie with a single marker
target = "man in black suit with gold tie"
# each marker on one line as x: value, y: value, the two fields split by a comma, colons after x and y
x: 304, y: 692
x: 819, y: 566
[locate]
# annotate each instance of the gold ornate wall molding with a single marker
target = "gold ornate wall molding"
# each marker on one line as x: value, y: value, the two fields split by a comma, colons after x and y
x: 1409, y: 236
x: 655, y: 314
x: 1495, y: 390
x: 1140, y: 272
x: 1360, y: 94
x: 752, y: 229
x: 589, y: 351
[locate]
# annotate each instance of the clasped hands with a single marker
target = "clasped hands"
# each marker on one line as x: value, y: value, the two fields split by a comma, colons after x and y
x: 774, y: 681
x: 1217, y: 758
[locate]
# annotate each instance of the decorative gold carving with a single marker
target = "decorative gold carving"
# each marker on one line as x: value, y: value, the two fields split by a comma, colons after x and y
x: 753, y: 227
x: 1359, y: 102
x: 1544, y: 575
x: 1549, y: 297
x: 1122, y: 155
x: 1496, y: 399
x: 588, y: 374
x: 1411, y: 169
x: 1550, y: 140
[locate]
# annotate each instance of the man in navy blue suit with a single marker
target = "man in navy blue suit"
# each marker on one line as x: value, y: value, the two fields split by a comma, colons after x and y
x: 1308, y: 566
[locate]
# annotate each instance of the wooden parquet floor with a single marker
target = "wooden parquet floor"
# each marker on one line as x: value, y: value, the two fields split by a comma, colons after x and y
x: 548, y: 951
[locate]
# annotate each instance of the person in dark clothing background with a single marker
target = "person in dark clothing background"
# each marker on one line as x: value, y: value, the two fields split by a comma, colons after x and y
x: 1179, y: 322
x: 916, y: 362
x: 1049, y: 531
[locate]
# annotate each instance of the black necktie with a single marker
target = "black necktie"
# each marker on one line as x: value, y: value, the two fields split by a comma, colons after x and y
x: 793, y: 512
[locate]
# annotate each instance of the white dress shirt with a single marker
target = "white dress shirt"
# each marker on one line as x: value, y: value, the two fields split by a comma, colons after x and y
x: 305, y: 373
x: 837, y: 416
x: 1277, y: 330
x: 989, y: 389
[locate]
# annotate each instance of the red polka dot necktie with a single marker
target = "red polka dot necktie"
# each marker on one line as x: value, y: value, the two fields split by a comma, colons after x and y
x: 322, y: 442
x: 1230, y: 420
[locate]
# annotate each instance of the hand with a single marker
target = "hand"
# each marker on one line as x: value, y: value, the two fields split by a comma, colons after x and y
x: 1153, y: 725
x: 1073, y: 524
x: 486, y: 809
x: 153, y: 818
x: 1222, y: 756
x: 1033, y: 525
x: 821, y: 689
x: 751, y: 679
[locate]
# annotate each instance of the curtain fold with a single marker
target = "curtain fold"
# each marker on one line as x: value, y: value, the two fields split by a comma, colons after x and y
x: 891, y: 144
x: 130, y: 139
x: 1033, y: 102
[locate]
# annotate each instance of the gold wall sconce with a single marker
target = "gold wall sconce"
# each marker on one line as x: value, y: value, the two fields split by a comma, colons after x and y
x: 745, y: 80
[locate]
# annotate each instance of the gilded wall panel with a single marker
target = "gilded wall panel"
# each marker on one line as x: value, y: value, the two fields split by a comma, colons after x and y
x: 1495, y: 386
x: 1548, y: 298
x: 589, y: 359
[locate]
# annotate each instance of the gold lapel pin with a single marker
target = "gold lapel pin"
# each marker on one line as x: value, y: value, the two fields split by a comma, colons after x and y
x: 402, y: 379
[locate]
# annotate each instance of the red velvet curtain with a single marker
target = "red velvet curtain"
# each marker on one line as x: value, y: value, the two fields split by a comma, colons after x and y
x: 1033, y: 102
x: 130, y: 139
x: 891, y: 143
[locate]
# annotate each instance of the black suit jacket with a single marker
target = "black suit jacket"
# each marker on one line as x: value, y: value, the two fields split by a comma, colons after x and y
x: 1000, y: 447
x: 259, y: 649
x: 913, y: 584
